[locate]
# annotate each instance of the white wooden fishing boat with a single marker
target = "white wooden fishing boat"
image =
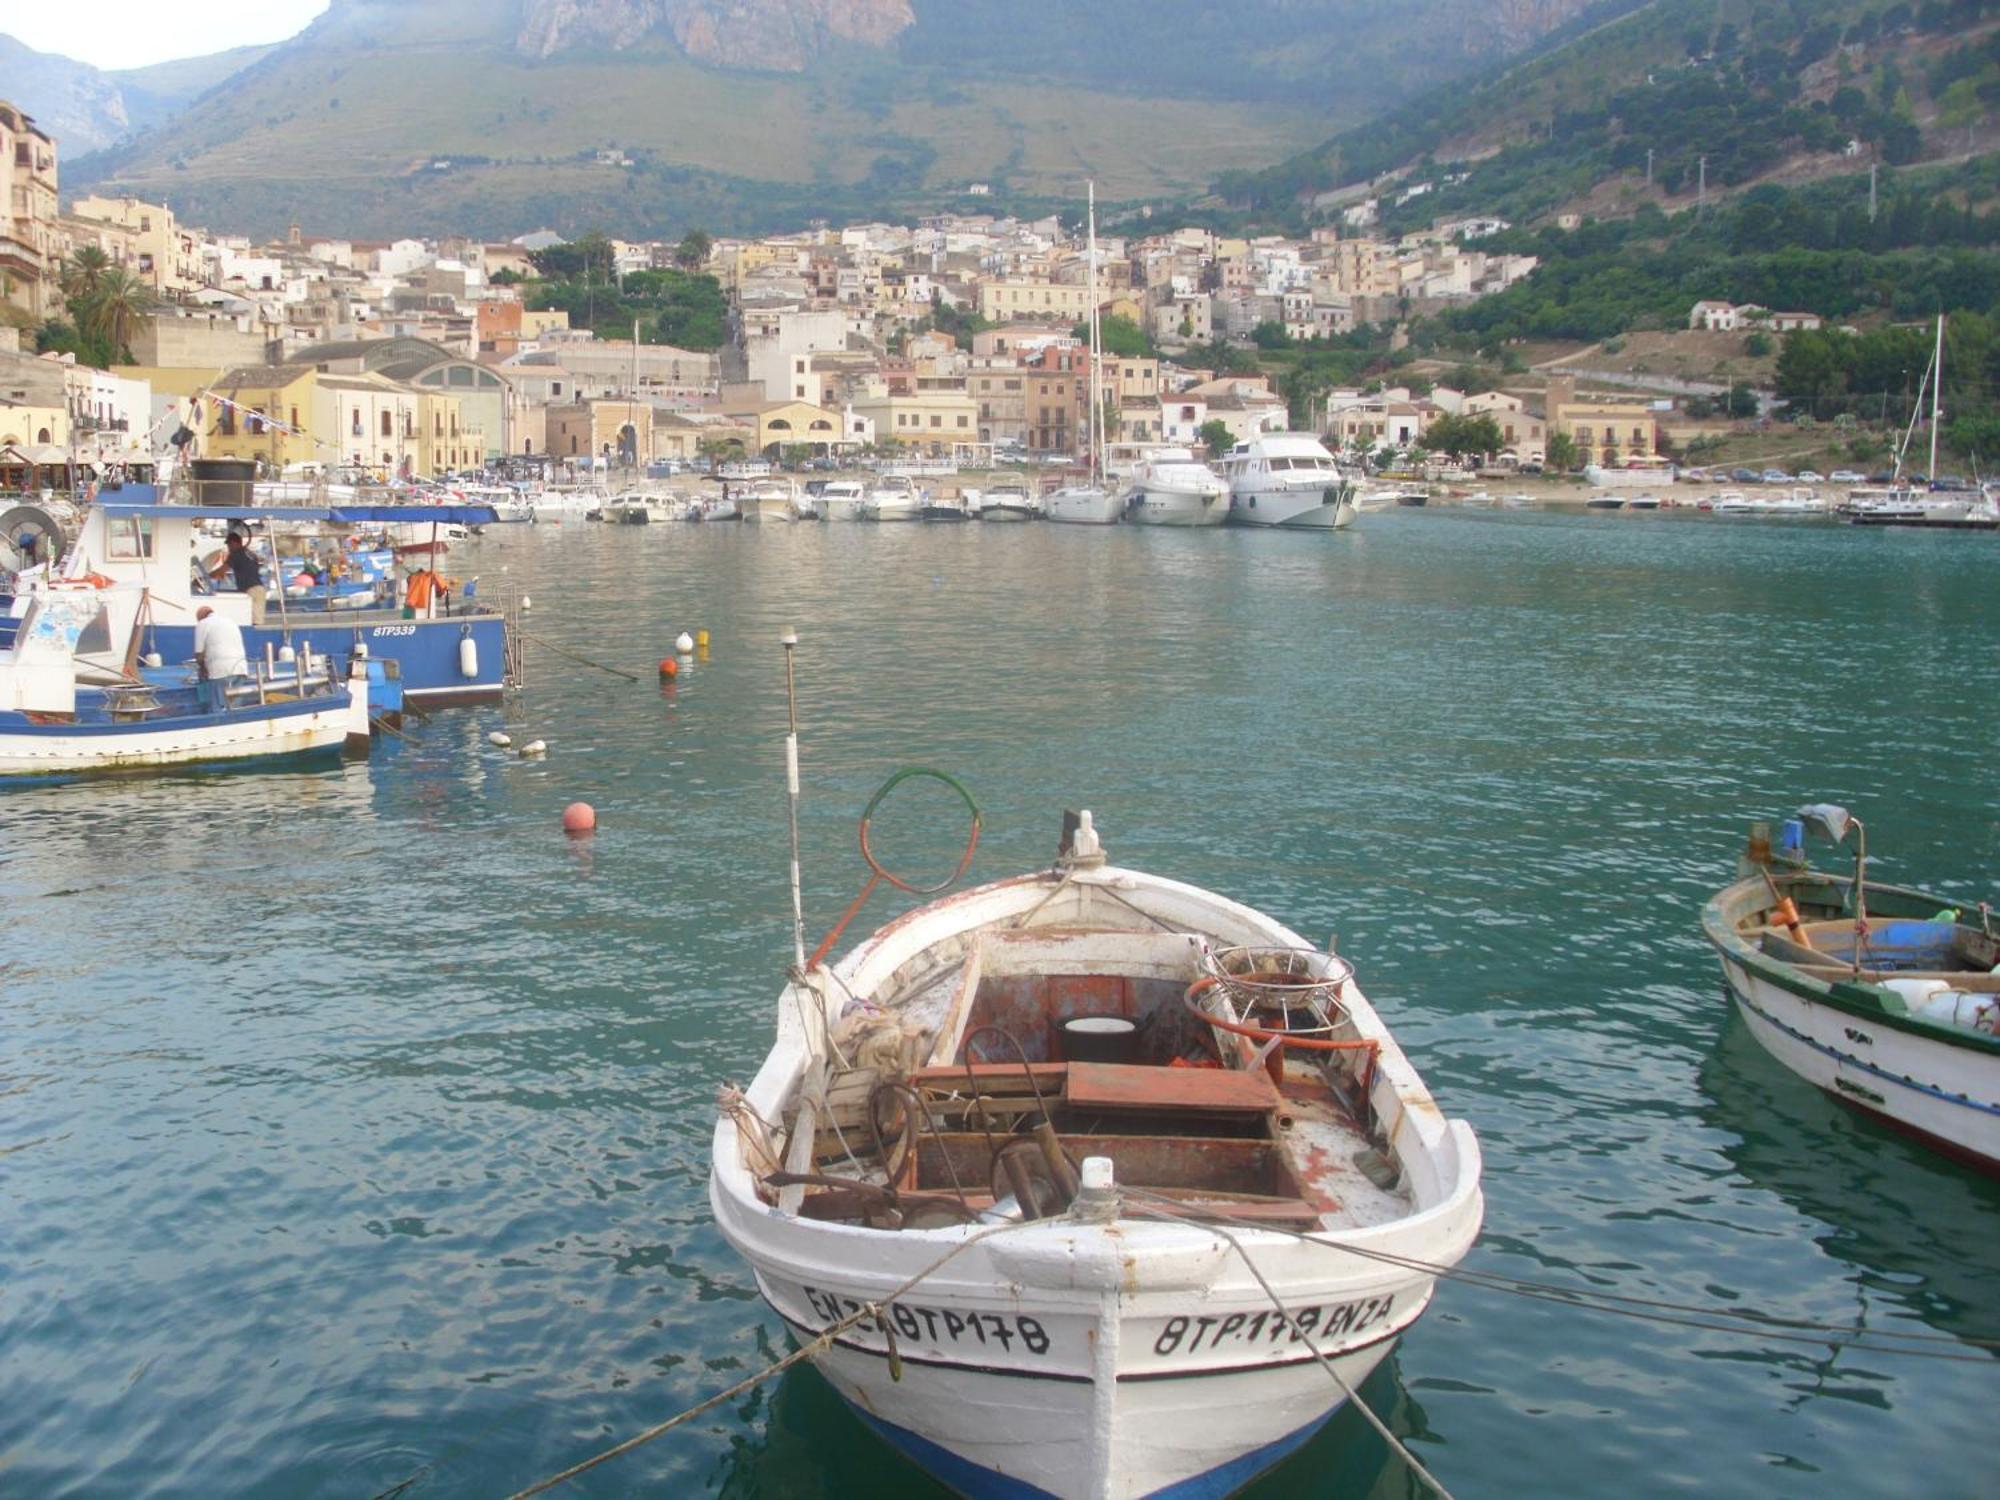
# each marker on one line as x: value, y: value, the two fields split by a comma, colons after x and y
x: 1027, y: 1119
x: 1889, y: 1002
x: 53, y: 726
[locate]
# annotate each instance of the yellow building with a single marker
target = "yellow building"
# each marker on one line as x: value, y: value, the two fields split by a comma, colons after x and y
x: 141, y: 237
x: 779, y: 424
x: 1009, y: 301
x: 29, y: 238
x: 266, y: 412
x: 33, y: 426
x: 447, y: 439
x: 1605, y: 429
x: 620, y: 433
x: 933, y: 420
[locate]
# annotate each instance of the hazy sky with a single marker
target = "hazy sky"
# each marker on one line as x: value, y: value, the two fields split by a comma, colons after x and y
x: 132, y: 33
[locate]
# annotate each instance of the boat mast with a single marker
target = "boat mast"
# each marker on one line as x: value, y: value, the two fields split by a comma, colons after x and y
x: 1937, y: 393
x: 1096, y: 418
x: 790, y: 641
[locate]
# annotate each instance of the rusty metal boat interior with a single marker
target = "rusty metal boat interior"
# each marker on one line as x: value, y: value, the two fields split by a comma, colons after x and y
x: 1220, y: 1081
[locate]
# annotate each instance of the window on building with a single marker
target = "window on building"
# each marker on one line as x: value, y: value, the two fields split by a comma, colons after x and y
x: 295, y: 419
x: 964, y: 422
x: 388, y: 425
x: 255, y: 424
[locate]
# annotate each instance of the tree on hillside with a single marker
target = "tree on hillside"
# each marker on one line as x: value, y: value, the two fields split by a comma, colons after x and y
x: 1216, y: 434
x: 1561, y: 452
x: 1463, y: 437
x: 506, y: 276
x: 589, y: 259
x: 691, y: 254
x: 1122, y: 337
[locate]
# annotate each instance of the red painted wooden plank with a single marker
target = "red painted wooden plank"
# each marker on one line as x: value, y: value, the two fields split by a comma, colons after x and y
x: 1122, y: 1086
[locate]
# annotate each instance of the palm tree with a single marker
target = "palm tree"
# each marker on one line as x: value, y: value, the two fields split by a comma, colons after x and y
x: 83, y: 271
x: 114, y: 311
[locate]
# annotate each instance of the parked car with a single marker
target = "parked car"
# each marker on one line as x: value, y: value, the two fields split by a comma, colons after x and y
x: 1776, y: 476
x: 1882, y: 478
x: 1809, y: 476
x: 1844, y: 476
x: 1744, y: 476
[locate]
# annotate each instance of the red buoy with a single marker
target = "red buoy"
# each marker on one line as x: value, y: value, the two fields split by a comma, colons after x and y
x: 669, y: 667
x: 579, y: 817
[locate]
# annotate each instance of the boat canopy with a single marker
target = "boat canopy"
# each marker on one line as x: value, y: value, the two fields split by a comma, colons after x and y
x: 340, y: 515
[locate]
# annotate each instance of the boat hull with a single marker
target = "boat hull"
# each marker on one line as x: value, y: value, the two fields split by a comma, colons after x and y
x: 1929, y: 1089
x: 1099, y: 1363
x: 1085, y: 507
x: 1317, y: 509
x: 1162, y: 505
x: 1937, y: 1082
x: 272, y: 731
x: 428, y: 655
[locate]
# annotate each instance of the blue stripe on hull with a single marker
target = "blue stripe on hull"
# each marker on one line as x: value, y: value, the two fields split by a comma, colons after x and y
x: 425, y: 651
x: 980, y: 1483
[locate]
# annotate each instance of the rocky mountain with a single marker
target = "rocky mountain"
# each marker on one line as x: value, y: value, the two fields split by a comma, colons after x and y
x: 779, y: 35
x: 86, y: 108
x: 649, y: 116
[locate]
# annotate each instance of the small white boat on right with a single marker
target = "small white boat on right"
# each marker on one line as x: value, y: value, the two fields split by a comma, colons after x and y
x: 1171, y: 487
x: 1287, y: 479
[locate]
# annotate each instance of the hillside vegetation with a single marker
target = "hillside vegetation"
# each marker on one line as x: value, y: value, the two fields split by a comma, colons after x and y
x: 1750, y: 85
x: 390, y: 118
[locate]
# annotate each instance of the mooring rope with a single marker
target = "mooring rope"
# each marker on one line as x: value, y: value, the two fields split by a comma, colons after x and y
x: 1381, y: 1427
x: 872, y: 1311
x: 1646, y: 1309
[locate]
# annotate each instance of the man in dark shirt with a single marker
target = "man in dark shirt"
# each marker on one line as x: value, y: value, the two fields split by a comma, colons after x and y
x: 248, y: 577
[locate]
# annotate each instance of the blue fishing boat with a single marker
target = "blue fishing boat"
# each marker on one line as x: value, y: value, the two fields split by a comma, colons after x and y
x: 445, y: 651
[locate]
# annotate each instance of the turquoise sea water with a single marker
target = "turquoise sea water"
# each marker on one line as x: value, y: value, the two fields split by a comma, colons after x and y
x: 354, y: 1123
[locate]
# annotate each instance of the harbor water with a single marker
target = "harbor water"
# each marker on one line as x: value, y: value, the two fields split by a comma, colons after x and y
x: 354, y: 1122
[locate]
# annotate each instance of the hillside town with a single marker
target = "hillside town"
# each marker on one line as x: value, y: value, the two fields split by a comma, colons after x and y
x: 418, y: 358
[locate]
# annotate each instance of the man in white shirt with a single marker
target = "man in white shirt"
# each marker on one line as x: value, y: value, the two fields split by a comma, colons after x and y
x: 218, y: 652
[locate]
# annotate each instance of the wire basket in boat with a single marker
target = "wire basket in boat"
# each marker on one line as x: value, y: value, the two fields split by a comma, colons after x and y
x: 1294, y: 990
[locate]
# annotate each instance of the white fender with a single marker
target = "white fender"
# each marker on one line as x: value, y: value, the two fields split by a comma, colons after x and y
x: 468, y: 656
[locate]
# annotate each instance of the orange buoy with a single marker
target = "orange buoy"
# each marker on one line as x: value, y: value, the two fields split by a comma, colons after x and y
x: 579, y: 817
x: 669, y: 667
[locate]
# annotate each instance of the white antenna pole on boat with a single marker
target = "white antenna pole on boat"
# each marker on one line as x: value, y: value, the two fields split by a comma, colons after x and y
x: 1937, y: 393
x: 790, y: 641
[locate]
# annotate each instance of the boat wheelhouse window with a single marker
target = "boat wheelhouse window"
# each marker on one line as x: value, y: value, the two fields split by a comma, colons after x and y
x: 96, y: 636
x: 131, y: 537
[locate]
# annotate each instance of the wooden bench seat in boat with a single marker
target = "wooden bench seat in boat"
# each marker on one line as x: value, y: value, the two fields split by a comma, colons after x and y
x: 1113, y: 1086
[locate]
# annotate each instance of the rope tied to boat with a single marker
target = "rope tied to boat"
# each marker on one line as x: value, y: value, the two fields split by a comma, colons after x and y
x: 875, y: 1311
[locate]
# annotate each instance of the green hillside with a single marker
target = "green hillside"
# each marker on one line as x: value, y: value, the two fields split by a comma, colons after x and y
x: 1754, y: 86
x: 388, y: 118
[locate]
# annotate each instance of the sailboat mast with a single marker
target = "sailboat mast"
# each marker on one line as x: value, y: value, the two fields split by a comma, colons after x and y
x: 1937, y: 393
x: 1096, y: 460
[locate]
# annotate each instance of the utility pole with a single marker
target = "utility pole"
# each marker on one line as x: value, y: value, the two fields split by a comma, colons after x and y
x: 1649, y: 166
x: 1701, y: 190
x: 1871, y: 192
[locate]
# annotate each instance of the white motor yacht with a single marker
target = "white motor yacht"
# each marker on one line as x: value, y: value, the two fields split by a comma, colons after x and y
x: 1171, y: 487
x: 893, y: 497
x: 1009, y: 498
x: 1287, y: 479
x: 841, y: 499
x: 774, y: 499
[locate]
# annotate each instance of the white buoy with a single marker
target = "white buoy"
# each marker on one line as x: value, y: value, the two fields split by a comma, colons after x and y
x: 287, y: 655
x: 502, y: 740
x: 526, y: 602
x: 468, y: 656
x: 361, y: 650
x: 684, y: 644
x: 534, y: 748
x: 154, y: 659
